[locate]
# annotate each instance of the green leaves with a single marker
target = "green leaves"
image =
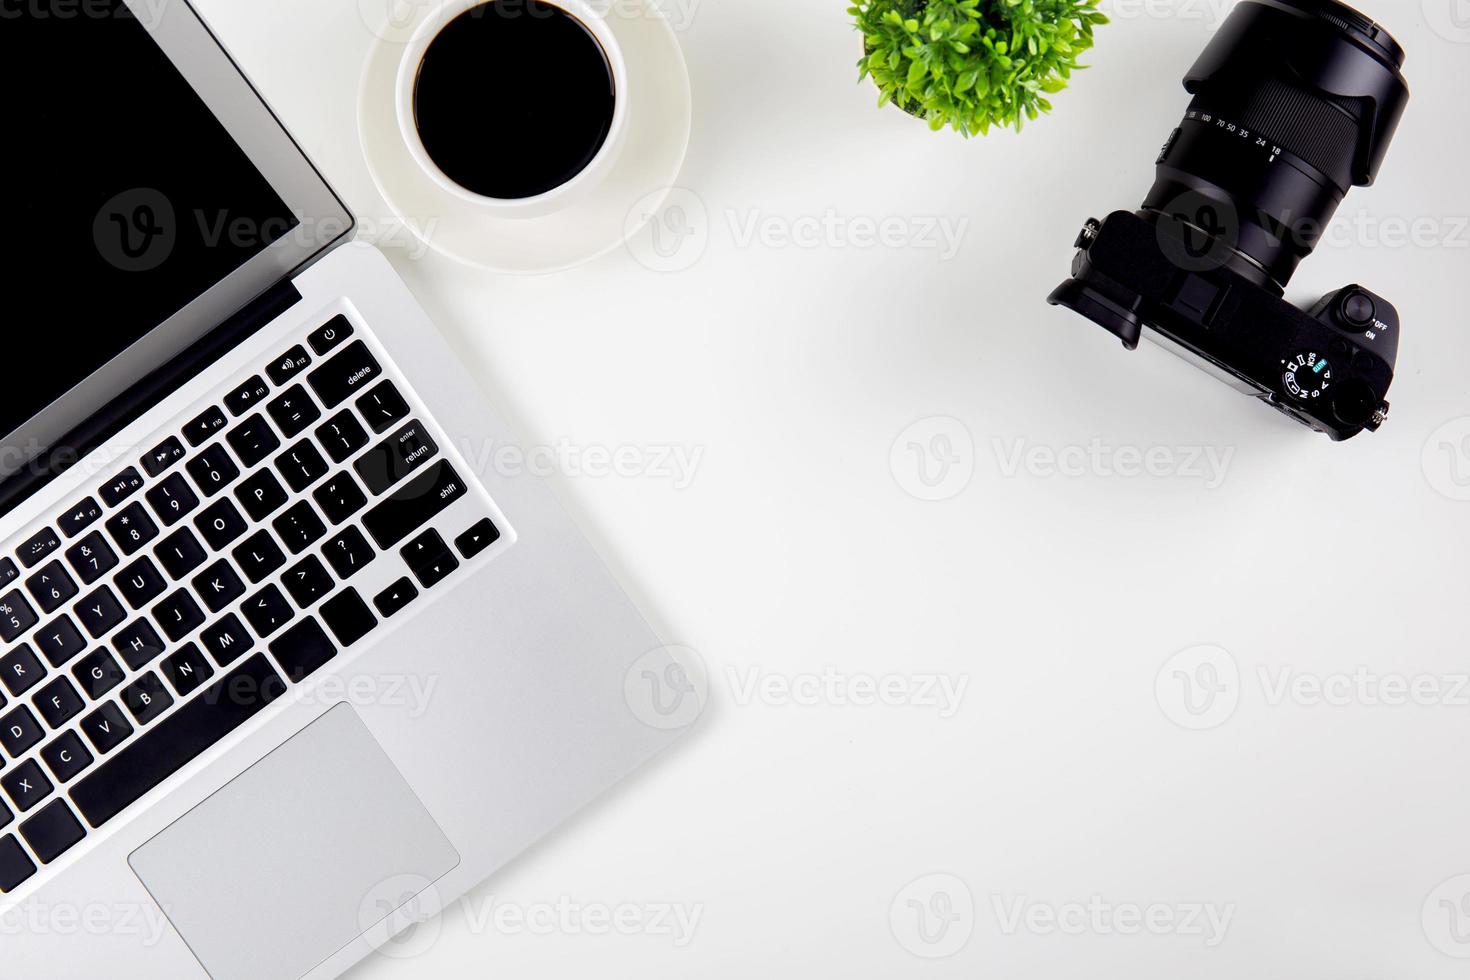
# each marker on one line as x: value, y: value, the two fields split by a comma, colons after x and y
x: 973, y: 64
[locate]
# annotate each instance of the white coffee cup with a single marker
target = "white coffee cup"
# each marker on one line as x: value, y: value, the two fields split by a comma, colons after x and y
x: 559, y: 197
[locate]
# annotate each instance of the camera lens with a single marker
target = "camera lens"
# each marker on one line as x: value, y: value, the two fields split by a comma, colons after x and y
x: 1295, y: 102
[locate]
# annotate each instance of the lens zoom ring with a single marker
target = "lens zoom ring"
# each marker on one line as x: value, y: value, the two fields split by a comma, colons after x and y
x: 1321, y: 133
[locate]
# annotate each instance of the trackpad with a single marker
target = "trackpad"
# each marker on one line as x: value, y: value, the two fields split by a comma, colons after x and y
x: 295, y: 858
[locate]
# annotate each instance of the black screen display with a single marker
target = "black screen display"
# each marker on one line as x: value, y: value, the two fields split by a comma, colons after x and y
x: 127, y: 199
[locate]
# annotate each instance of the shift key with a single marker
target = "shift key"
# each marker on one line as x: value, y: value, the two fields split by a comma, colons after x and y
x: 345, y: 374
x: 414, y: 504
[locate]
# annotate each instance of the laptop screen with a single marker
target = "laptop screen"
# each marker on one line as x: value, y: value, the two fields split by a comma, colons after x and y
x: 128, y: 199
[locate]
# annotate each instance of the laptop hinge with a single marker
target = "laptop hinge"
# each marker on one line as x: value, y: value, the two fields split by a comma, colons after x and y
x: 142, y: 396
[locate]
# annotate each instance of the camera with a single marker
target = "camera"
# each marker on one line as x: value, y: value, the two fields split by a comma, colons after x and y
x: 1294, y: 103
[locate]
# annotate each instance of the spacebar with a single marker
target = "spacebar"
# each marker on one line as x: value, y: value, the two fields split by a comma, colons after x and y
x: 178, y: 740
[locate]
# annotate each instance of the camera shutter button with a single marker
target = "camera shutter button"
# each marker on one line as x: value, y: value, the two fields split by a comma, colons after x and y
x: 1358, y: 309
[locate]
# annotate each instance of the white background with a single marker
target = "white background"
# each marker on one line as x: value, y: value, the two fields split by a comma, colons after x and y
x: 1058, y: 598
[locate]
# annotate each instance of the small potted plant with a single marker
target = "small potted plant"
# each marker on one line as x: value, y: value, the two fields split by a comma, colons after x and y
x: 973, y: 64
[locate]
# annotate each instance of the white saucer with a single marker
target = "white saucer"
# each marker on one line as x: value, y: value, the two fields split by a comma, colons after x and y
x: 653, y: 151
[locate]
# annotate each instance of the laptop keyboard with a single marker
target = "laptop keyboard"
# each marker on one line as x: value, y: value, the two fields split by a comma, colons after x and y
x: 156, y: 616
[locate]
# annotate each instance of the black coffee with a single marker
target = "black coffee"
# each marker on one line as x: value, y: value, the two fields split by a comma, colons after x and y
x: 514, y: 98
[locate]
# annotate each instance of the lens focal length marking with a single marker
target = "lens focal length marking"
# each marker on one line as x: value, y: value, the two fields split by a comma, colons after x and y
x: 1272, y: 149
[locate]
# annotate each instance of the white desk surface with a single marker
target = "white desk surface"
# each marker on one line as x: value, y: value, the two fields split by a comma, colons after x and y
x: 1092, y: 834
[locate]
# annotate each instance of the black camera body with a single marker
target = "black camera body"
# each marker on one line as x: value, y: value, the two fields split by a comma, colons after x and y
x: 1295, y: 102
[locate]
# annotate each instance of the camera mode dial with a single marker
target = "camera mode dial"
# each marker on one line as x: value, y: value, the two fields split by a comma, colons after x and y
x: 1306, y: 376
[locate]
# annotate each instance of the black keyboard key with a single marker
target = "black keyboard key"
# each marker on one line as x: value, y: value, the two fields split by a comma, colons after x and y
x: 212, y: 470
x: 38, y: 546
x: 227, y: 640
x: 21, y: 670
x: 218, y: 585
x: 16, y: 867
x: 267, y: 611
x: 163, y: 455
x: 324, y: 338
x: 407, y: 449
x: 92, y: 557
x: 172, y: 499
x: 342, y: 435
x: 187, y: 670
x: 121, y: 487
x: 299, y: 527
x: 106, y: 728
x: 339, y: 498
x: 178, y: 615
x: 19, y: 731
x: 179, y: 739
x: 203, y: 428
x: 146, y: 698
x: 51, y: 587
x: 481, y: 535
x: 261, y: 495
x: 288, y: 365
x: 253, y: 440
x: 180, y: 553
x: 100, y: 612
x: 423, y: 550
x: 58, y: 702
x: 395, y: 597
x: 138, y: 644
x: 414, y: 504
x: 383, y: 406
x: 220, y: 524
x: 53, y: 831
x: 245, y: 397
x: 98, y: 673
x: 307, y: 581
x: 293, y: 411
x: 140, y: 583
x: 26, y: 785
x: 258, y: 556
x: 435, y: 570
x: 348, y: 617
x: 59, y: 641
x: 66, y: 757
x: 16, y: 615
x: 303, y: 650
x: 348, y: 552
x: 131, y: 528
x: 301, y: 465
x: 8, y: 572
x: 347, y: 373
x: 79, y: 518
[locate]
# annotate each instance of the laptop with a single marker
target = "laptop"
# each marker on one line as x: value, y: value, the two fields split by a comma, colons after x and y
x: 282, y: 668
